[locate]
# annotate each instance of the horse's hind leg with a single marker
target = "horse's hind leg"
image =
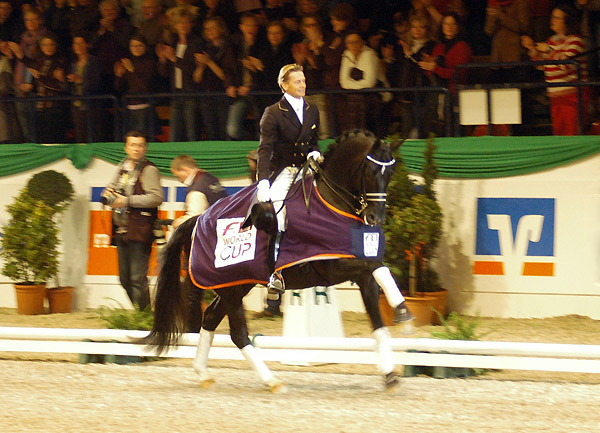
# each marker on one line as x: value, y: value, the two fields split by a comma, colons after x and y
x: 212, y: 317
x: 239, y: 335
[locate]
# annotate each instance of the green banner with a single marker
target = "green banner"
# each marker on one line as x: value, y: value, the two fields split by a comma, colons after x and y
x: 462, y: 157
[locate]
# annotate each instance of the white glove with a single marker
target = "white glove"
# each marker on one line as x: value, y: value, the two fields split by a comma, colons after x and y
x: 263, y: 191
x: 315, y: 155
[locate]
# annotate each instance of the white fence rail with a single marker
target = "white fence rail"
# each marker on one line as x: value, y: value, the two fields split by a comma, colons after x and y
x: 578, y: 358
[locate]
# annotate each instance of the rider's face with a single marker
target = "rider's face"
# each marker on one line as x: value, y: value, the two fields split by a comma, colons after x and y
x: 295, y: 85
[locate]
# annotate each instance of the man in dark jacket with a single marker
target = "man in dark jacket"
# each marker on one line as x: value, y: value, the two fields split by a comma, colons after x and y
x: 288, y: 137
x: 203, y: 190
x: 134, y: 195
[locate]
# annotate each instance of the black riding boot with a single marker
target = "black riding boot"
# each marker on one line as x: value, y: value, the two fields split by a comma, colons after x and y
x: 276, y: 285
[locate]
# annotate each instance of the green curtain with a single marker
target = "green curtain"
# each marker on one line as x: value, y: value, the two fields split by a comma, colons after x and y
x: 462, y: 157
x: 490, y: 157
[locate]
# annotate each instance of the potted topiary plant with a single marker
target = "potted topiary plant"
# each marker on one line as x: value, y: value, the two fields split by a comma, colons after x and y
x: 30, y: 238
x: 413, y: 228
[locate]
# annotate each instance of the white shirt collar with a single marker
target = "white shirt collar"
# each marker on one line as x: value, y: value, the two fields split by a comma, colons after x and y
x: 297, y: 104
x: 190, y: 179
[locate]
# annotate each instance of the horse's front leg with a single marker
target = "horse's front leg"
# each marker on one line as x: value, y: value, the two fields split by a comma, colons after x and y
x: 369, y: 290
x: 386, y: 282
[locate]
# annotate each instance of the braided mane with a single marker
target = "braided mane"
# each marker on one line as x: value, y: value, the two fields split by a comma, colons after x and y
x: 348, y: 135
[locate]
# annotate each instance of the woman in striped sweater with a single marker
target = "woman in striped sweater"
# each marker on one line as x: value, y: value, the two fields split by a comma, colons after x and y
x: 564, y: 44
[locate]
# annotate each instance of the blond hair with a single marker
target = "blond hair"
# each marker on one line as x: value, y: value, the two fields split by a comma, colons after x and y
x: 285, y: 72
x: 183, y: 161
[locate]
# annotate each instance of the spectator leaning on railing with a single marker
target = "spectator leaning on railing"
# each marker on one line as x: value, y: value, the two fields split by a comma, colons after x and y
x: 136, y: 73
x: 84, y: 78
x: 361, y: 69
x: 246, y: 46
x: 416, y: 108
x: 215, y: 72
x: 308, y: 54
x: 451, y: 51
x: 8, y: 122
x: 48, y: 73
x: 564, y: 44
x: 176, y: 61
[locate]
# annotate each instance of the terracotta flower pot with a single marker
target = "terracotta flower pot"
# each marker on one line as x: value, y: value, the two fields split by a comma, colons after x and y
x: 440, y: 299
x: 60, y: 299
x: 30, y: 298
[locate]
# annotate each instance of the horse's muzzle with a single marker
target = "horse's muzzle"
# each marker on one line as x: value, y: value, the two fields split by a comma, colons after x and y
x: 373, y: 218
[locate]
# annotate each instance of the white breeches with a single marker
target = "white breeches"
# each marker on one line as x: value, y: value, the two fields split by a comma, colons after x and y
x: 279, y: 189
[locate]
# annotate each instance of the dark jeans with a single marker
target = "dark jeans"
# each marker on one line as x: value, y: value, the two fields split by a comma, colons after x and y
x: 133, y: 270
x: 184, y: 124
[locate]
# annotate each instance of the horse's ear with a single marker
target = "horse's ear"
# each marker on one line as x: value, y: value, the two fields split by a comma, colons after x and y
x: 395, y: 145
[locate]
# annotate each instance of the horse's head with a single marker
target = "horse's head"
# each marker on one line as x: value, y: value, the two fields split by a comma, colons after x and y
x: 358, y: 169
x: 378, y: 170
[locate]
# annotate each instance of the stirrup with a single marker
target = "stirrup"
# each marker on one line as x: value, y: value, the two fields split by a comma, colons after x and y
x: 276, y: 284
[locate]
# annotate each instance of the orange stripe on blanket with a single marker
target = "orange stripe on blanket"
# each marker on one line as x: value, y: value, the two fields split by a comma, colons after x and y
x: 318, y: 257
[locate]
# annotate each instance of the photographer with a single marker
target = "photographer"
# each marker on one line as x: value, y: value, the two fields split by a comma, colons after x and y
x: 134, y: 196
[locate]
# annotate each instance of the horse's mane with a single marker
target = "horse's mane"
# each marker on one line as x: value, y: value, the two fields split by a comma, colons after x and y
x: 349, y: 135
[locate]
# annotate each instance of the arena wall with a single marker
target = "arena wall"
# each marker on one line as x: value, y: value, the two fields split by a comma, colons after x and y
x: 524, y: 246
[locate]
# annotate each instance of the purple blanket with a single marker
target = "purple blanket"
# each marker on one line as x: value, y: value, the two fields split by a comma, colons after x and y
x: 223, y: 256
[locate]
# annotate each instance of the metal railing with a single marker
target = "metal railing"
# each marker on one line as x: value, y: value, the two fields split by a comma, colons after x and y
x: 523, y: 85
x: 118, y: 106
x: 452, y: 125
x: 30, y: 101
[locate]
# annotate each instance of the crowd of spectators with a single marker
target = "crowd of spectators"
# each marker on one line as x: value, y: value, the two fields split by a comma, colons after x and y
x: 235, y: 48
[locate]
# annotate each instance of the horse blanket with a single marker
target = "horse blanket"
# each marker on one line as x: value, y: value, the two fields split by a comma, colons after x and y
x: 223, y: 255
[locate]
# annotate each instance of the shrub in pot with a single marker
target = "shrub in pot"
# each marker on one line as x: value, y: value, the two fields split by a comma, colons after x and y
x: 30, y: 238
x: 413, y: 229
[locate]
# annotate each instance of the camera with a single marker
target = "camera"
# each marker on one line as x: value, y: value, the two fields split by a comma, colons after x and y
x: 110, y: 195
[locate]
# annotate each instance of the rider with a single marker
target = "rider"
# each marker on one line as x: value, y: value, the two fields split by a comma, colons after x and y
x: 288, y: 138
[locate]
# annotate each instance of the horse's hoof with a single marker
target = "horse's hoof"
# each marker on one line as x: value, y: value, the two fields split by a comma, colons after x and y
x: 407, y: 328
x: 276, y: 386
x: 207, y: 383
x: 392, y: 382
x: 402, y: 314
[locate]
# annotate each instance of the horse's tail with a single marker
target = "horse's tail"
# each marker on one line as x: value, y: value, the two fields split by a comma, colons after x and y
x: 170, y: 306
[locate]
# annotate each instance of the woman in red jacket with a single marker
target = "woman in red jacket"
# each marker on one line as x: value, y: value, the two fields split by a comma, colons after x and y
x: 445, y: 57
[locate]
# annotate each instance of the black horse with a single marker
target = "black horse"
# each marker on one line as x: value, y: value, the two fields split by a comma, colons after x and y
x: 353, y: 178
